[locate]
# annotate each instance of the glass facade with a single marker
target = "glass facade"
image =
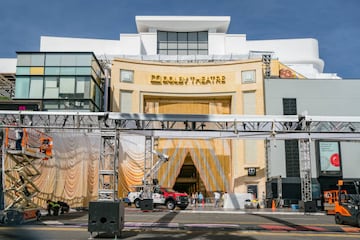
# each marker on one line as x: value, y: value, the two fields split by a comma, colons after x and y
x: 182, y: 43
x: 62, y: 81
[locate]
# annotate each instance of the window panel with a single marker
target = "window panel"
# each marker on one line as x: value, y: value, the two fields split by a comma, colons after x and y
x: 68, y: 60
x: 53, y: 59
x: 52, y: 71
x: 23, y: 71
x: 192, y: 36
x: 248, y: 76
x: 172, y: 36
x: 37, y: 59
x: 182, y: 37
x: 202, y: 52
x: 203, y: 46
x: 83, y: 71
x: 182, y: 45
x: 289, y: 106
x: 67, y: 71
x: 182, y: 52
x: 23, y: 60
x: 162, y: 36
x: 51, y: 87
x: 172, y: 45
x: 67, y: 85
x: 22, y: 85
x: 83, y: 60
x: 126, y: 75
x: 36, y: 87
x: 194, y: 42
x: 80, y: 85
x: 203, y: 36
x: 51, y: 93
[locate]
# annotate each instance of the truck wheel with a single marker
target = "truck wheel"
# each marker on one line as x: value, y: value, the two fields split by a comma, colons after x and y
x: 137, y: 203
x: 170, y: 205
x: 338, y: 219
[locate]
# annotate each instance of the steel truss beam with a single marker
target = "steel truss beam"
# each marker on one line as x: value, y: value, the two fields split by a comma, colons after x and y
x: 192, y: 125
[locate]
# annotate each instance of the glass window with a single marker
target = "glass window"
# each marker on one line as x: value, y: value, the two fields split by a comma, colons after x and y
x: 53, y: 59
x: 162, y: 36
x: 193, y: 42
x: 68, y: 60
x: 23, y: 71
x: 23, y: 59
x: 202, y: 52
x: 83, y: 60
x: 51, y: 93
x: 51, y: 87
x: 182, y: 52
x: 52, y: 71
x: 203, y: 46
x: 248, y: 76
x: 67, y: 85
x: 192, y: 37
x: 37, y: 59
x: 36, y: 87
x: 80, y: 85
x: 203, y: 36
x: 67, y: 71
x: 289, y: 106
x: 126, y: 75
x: 22, y: 85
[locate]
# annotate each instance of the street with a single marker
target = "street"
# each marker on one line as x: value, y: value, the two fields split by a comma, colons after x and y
x: 197, y: 223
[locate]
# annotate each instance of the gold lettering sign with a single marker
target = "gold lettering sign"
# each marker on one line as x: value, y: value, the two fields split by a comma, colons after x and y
x: 187, y: 80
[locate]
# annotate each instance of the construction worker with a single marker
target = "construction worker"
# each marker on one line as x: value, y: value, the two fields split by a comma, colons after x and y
x: 54, y: 207
x: 64, y: 207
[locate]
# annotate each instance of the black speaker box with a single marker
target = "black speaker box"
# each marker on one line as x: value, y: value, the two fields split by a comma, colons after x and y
x: 146, y: 205
x: 310, y: 206
x: 106, y: 217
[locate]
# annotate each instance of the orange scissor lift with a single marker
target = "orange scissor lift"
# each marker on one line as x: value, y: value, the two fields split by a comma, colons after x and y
x: 20, y: 171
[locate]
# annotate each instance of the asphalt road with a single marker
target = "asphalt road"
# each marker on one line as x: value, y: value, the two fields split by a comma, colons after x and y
x: 194, y: 223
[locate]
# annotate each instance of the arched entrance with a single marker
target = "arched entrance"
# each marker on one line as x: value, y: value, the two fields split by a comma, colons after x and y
x: 189, y: 180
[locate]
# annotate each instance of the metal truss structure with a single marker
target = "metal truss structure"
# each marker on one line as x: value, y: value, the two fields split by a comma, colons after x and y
x: 179, y: 126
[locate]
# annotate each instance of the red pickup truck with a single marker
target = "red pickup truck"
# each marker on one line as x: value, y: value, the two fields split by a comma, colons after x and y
x: 172, y: 198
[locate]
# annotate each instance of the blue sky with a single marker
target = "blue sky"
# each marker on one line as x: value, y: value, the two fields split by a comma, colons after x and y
x: 334, y: 23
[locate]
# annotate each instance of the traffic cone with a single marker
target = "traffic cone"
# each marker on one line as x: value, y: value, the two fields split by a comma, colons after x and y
x: 273, y: 205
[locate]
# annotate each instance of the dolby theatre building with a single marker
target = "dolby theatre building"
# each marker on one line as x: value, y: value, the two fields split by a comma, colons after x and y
x: 191, y: 65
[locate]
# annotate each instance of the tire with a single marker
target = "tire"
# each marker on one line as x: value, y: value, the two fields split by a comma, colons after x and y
x: 170, y: 204
x: 358, y: 220
x: 137, y: 203
x: 338, y: 219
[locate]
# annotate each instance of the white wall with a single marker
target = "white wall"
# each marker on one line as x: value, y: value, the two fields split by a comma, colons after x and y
x: 61, y: 44
x: 149, y: 43
x: 130, y: 44
x: 8, y: 65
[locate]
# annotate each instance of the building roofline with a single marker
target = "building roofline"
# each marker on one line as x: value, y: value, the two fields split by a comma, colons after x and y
x: 218, y: 24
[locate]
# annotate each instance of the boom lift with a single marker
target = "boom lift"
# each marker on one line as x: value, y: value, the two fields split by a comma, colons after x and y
x: 347, y: 207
